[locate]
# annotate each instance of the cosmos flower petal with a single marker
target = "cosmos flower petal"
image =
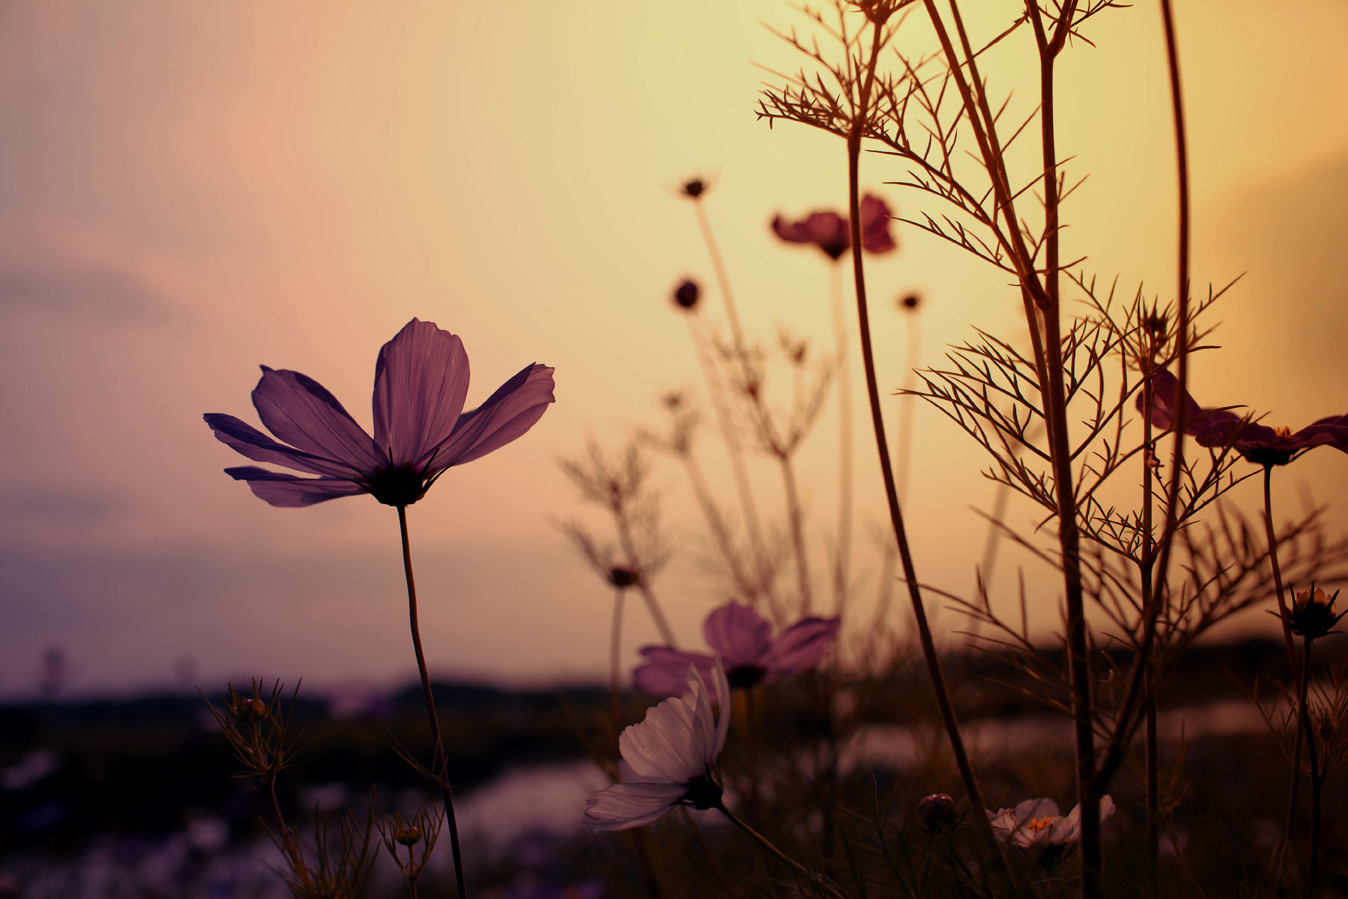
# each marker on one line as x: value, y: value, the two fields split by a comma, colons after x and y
x: 301, y: 412
x: 513, y: 409
x: 248, y: 441
x: 738, y: 633
x: 289, y: 491
x: 665, y: 672
x: 420, y: 385
x: 625, y: 805
x: 826, y: 230
x: 875, y: 218
x: 801, y: 646
x: 1210, y: 427
x: 662, y: 745
x: 722, y: 687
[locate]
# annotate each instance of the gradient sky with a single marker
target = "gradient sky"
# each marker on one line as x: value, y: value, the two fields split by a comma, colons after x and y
x: 191, y: 189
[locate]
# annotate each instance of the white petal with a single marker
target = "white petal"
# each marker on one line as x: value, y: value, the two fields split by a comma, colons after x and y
x: 723, y: 725
x: 620, y: 806
x: 661, y: 747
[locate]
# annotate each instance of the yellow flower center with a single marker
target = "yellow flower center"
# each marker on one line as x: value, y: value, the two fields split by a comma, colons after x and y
x: 1037, y: 824
x: 1283, y: 432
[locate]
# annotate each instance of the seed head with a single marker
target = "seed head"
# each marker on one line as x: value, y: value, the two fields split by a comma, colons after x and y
x: 623, y: 577
x: 694, y: 188
x: 910, y: 302
x: 937, y: 810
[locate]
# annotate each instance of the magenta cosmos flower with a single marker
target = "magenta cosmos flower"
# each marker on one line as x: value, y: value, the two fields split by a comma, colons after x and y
x: 831, y: 233
x: 420, y: 428
x: 669, y: 759
x: 1221, y: 428
x: 743, y: 642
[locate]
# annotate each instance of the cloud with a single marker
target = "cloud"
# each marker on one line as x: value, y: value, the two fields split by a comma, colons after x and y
x: 100, y: 292
x: 46, y: 505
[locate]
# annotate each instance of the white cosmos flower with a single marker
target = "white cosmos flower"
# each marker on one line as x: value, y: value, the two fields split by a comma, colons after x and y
x: 1036, y: 822
x: 667, y: 760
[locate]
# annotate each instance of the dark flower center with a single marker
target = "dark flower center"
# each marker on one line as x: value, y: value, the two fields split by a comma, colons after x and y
x: 703, y: 793
x: 1263, y: 455
x: 745, y: 676
x: 398, y: 486
x: 623, y: 577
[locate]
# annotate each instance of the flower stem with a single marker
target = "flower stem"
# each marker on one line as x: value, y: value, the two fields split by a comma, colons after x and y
x: 887, y: 469
x: 778, y: 854
x: 843, y: 563
x: 1291, y: 659
x: 1315, y: 769
x: 615, y: 658
x: 439, y: 768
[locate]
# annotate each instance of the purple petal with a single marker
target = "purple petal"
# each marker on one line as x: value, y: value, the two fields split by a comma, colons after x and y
x: 249, y: 441
x: 801, y: 646
x: 665, y: 672
x: 738, y: 633
x: 826, y: 230
x: 288, y: 491
x: 514, y: 408
x: 301, y: 412
x: 1210, y: 427
x: 875, y: 218
x: 420, y: 384
x: 620, y: 806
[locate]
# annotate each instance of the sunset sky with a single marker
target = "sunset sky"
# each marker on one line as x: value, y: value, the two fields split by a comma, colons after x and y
x: 189, y: 190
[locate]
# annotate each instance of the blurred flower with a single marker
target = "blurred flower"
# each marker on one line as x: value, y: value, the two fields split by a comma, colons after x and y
x: 936, y: 810
x: 420, y: 383
x: 1258, y: 443
x: 1036, y: 822
x: 687, y: 294
x: 910, y: 302
x: 668, y: 759
x: 742, y: 639
x: 1313, y: 613
x: 831, y: 232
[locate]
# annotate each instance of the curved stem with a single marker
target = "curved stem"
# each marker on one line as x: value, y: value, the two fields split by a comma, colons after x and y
x: 887, y: 470
x: 778, y: 854
x: 843, y: 564
x: 439, y: 768
x: 615, y: 659
x: 742, y: 483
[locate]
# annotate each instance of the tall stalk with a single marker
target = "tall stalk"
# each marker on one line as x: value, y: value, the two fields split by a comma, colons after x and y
x: 439, y: 768
x: 859, y: 119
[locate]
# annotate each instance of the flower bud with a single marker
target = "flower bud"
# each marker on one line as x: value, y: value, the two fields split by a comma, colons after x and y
x: 1313, y: 613
x: 937, y: 810
x: 249, y: 711
x: 694, y: 187
x: 910, y: 302
x: 407, y: 836
x: 687, y: 294
x: 623, y: 577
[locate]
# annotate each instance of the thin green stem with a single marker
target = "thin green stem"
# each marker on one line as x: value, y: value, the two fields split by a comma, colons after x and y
x: 439, y: 768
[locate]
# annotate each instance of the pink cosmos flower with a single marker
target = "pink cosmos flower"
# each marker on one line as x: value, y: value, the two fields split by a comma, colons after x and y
x: 1222, y: 428
x: 742, y: 640
x: 668, y: 759
x: 420, y: 428
x: 831, y: 232
x: 1036, y: 822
